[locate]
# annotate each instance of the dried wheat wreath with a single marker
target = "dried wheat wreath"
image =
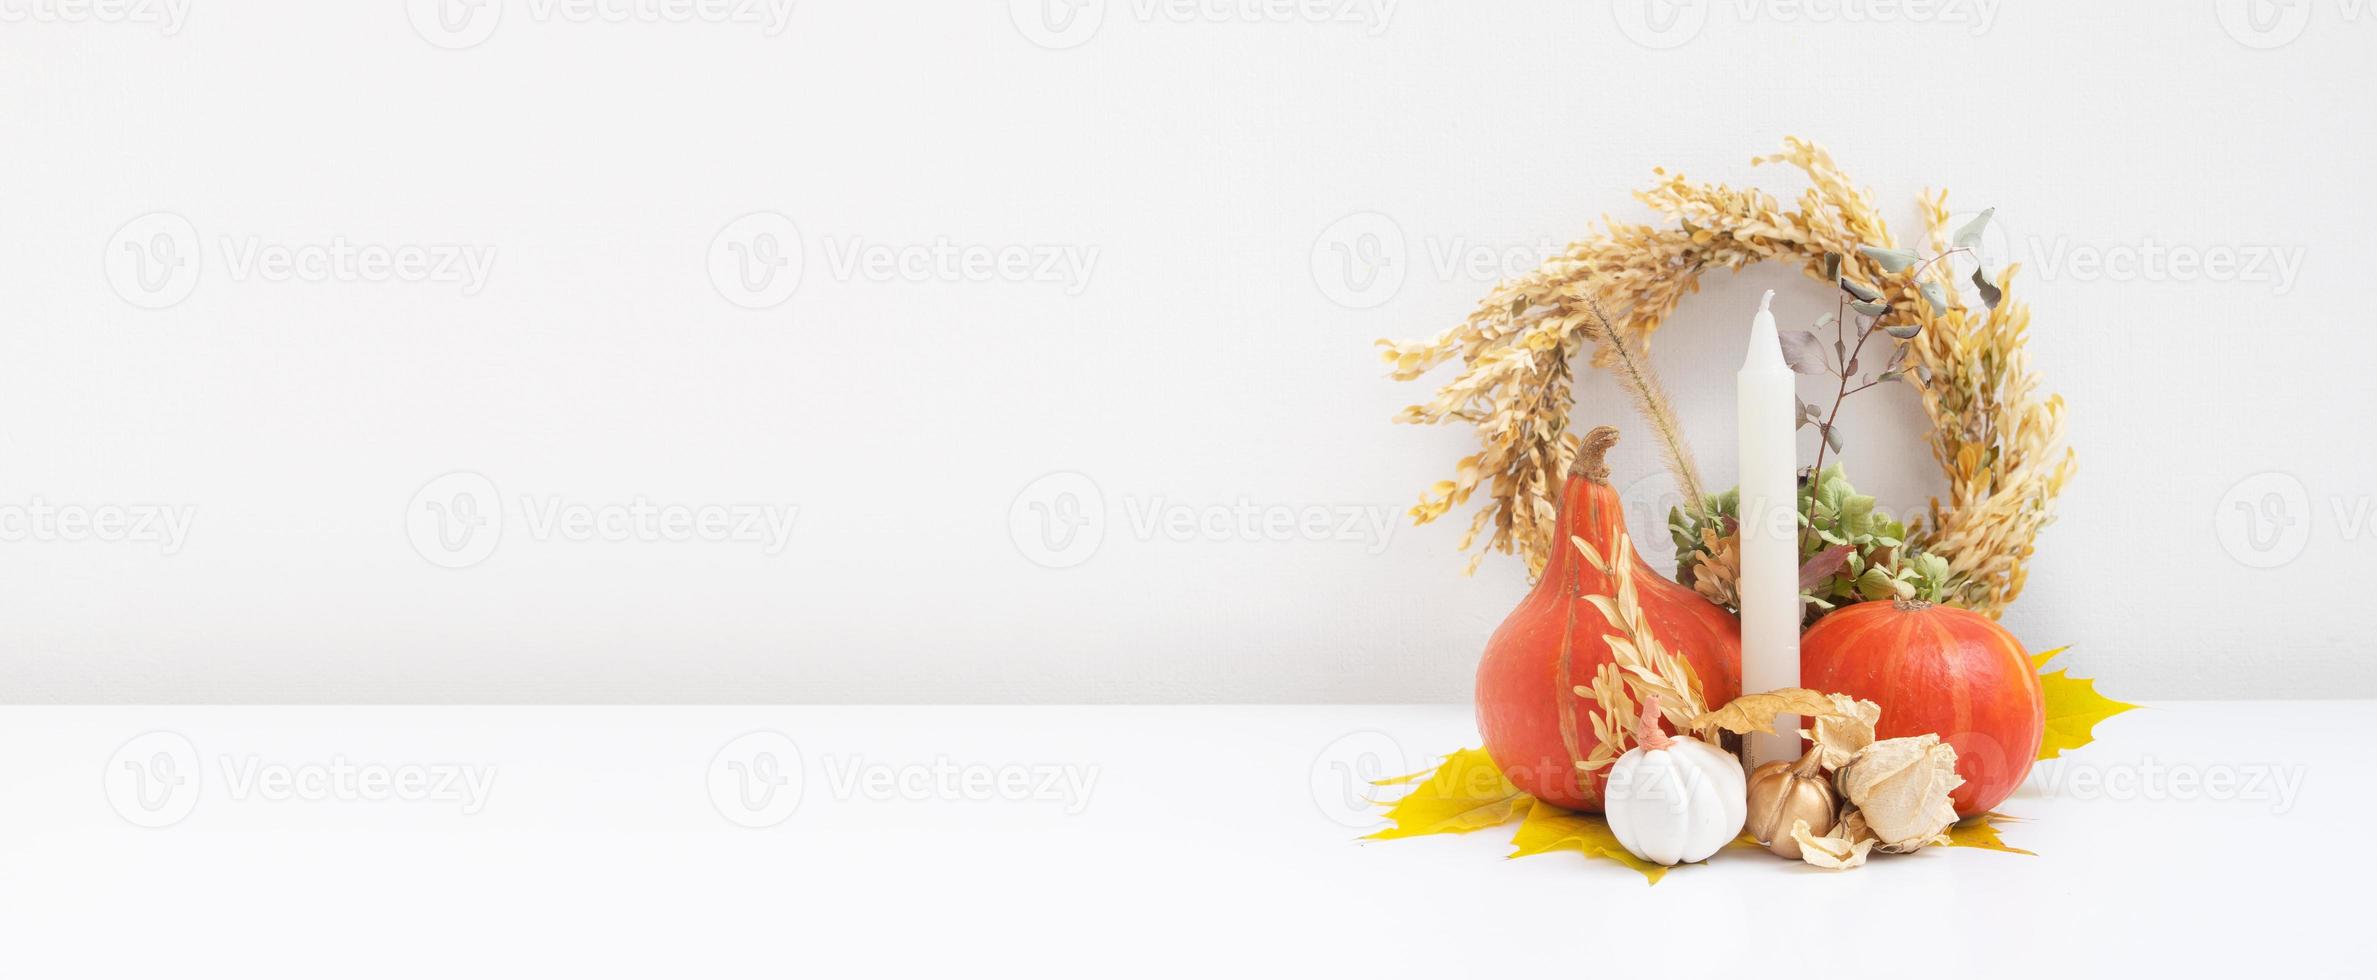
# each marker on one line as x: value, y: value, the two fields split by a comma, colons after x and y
x: 1997, y: 439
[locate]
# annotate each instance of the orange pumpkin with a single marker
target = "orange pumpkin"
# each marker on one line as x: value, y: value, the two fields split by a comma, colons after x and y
x: 1536, y: 727
x: 1939, y: 669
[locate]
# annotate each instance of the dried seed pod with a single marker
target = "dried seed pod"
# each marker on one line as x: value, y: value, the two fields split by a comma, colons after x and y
x: 1901, y: 785
x: 1782, y: 793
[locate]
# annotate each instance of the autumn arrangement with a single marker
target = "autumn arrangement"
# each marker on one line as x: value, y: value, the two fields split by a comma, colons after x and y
x: 1611, y: 700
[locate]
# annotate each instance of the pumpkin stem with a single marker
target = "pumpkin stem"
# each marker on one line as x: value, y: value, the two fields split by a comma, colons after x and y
x: 1810, y: 764
x: 1590, y: 462
x: 1910, y: 605
x: 1646, y: 728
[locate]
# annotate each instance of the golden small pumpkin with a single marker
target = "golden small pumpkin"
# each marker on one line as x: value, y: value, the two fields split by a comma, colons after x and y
x: 1783, y: 792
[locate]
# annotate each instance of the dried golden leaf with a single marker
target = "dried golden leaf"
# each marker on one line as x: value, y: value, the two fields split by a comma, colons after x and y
x: 1549, y: 828
x: 1978, y: 831
x: 1465, y: 793
x: 2073, y: 708
x: 1901, y: 785
x: 1756, y: 712
x: 1834, y: 853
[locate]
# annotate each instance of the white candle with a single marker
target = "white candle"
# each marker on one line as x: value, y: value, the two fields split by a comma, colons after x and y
x: 1766, y: 403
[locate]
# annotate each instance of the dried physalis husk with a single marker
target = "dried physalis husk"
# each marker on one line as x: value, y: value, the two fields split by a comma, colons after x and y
x: 1828, y: 851
x: 1845, y: 730
x: 1852, y: 825
x: 1785, y: 794
x: 1901, y: 788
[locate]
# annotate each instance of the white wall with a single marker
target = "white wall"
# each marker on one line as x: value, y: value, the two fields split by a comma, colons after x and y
x: 1197, y: 170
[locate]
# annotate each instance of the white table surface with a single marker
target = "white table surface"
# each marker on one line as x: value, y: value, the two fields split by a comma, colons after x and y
x: 2196, y: 838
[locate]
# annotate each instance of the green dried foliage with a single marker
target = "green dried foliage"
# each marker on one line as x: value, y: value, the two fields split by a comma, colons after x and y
x: 1849, y: 550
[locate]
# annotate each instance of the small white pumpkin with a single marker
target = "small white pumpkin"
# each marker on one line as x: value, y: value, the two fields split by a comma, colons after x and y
x: 1674, y: 800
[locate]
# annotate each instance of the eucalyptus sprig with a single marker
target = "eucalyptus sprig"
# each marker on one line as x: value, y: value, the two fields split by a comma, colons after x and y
x: 1805, y: 353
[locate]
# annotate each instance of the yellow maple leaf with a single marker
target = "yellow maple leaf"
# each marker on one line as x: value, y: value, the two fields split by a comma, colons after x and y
x: 1978, y: 831
x: 1549, y: 828
x: 2073, y: 707
x: 1466, y: 792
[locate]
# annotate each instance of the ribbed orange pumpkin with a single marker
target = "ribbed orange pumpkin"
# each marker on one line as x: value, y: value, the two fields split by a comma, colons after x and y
x: 1536, y: 728
x: 1939, y: 669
